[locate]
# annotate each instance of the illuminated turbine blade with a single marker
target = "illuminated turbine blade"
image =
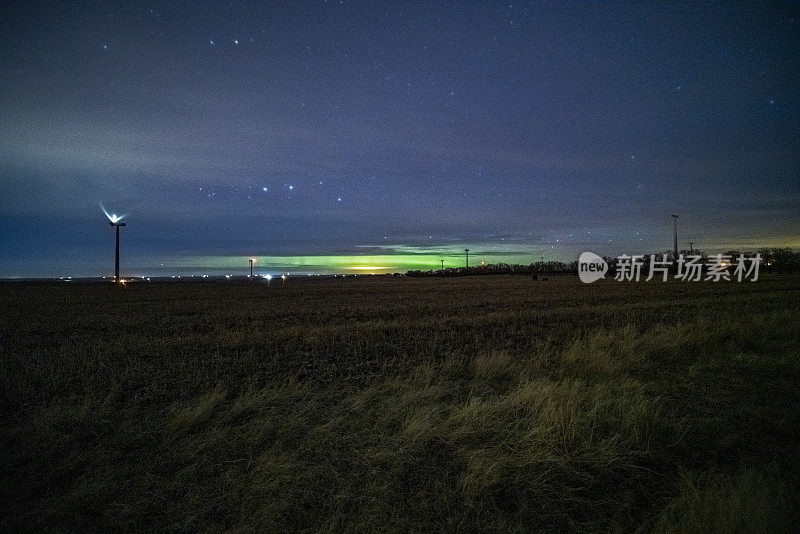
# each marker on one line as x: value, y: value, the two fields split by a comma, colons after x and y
x: 113, y: 217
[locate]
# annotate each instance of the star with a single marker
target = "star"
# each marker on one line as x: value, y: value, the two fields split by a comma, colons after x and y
x: 264, y: 189
x: 291, y: 188
x: 236, y: 41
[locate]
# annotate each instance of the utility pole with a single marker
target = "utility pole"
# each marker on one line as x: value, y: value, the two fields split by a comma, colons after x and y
x: 442, y: 264
x: 466, y: 250
x: 691, y: 248
x: 675, y: 234
x: 251, y: 267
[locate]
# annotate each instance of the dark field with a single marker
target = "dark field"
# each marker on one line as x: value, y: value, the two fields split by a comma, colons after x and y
x: 388, y: 404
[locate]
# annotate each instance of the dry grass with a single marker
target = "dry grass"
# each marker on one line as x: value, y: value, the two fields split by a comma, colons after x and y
x: 747, y: 500
x: 490, y: 404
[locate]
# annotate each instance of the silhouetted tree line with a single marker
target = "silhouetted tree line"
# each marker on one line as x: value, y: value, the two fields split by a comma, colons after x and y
x: 781, y: 260
x: 534, y: 269
x: 773, y: 260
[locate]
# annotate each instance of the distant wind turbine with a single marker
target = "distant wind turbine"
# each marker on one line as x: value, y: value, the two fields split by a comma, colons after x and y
x: 116, y: 221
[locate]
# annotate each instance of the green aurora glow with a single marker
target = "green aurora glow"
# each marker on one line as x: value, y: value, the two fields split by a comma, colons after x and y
x: 352, y: 263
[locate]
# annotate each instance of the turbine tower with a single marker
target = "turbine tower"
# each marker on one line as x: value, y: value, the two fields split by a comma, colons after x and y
x: 115, y: 221
x: 116, y: 251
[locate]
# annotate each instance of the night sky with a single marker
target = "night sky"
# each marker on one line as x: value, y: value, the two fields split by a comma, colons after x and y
x: 228, y: 129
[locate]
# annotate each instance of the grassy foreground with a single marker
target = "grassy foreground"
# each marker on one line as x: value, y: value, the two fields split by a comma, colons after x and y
x: 388, y: 404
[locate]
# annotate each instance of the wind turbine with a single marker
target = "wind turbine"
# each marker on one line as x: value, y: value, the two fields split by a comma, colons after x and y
x: 115, y: 220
